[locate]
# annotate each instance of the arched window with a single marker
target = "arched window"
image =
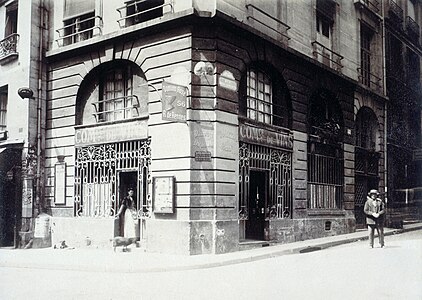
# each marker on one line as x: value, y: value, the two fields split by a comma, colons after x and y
x: 112, y: 92
x: 266, y: 97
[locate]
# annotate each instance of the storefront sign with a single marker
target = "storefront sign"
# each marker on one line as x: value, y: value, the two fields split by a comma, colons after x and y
x: 256, y: 135
x: 163, y: 194
x: 174, y: 102
x: 60, y: 183
x: 111, y: 133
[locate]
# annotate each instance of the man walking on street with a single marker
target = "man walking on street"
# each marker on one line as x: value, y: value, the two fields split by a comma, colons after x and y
x: 375, y: 211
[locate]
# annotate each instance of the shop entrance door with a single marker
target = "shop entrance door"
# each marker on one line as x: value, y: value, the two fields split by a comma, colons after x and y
x: 258, y: 193
x: 127, y: 180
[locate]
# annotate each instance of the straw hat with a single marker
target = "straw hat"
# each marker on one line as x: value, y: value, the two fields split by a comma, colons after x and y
x: 373, y: 192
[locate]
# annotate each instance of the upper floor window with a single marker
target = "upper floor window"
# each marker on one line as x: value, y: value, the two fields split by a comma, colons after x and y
x: 366, y: 127
x: 79, y: 21
x: 138, y: 11
x: 11, y: 24
x: 266, y: 97
x: 413, y: 67
x: 8, y: 45
x: 366, y: 76
x: 3, y: 108
x: 325, y: 15
x: 323, y: 45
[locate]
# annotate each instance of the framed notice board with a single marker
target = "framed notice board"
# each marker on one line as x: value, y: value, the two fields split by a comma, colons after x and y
x: 163, y: 194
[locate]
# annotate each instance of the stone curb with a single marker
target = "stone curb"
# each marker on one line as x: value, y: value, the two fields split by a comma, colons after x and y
x: 206, y: 265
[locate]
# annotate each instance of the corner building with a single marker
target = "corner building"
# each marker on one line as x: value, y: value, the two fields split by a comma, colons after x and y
x: 268, y: 151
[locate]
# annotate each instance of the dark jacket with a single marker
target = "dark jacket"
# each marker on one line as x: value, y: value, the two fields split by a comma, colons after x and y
x: 374, y: 206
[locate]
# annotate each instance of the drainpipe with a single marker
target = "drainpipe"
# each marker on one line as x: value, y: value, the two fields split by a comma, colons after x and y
x: 384, y: 63
x: 39, y: 96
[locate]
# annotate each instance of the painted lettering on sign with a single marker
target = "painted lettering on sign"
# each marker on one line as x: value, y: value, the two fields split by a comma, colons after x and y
x: 263, y: 136
x: 174, y: 102
x: 111, y: 133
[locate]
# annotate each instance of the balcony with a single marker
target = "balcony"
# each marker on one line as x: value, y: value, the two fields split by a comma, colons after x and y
x: 369, y: 79
x: 255, y: 15
x: 373, y: 6
x: 327, y: 56
x: 412, y: 27
x: 395, y: 11
x: 8, y: 48
x: 139, y: 11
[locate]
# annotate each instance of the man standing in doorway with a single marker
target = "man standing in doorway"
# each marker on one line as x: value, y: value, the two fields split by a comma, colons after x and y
x: 375, y: 211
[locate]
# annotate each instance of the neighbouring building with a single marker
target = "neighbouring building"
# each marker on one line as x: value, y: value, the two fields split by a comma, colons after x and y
x: 403, y: 72
x: 23, y: 37
x: 235, y: 122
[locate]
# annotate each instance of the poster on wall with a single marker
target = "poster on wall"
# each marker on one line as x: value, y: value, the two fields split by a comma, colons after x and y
x: 163, y: 194
x: 174, y: 102
x: 60, y: 183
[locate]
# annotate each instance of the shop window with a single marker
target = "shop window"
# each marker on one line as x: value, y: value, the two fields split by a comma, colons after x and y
x: 103, y: 174
x: 266, y: 97
x: 3, y: 109
x: 325, y: 154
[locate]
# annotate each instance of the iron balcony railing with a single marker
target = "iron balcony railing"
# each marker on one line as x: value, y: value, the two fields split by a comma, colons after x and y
x: 8, y: 46
x: 395, y: 10
x: 79, y: 35
x: 283, y: 26
x: 119, y: 108
x: 372, y: 5
x: 411, y: 26
x: 369, y: 79
x: 328, y: 56
x: 125, y: 17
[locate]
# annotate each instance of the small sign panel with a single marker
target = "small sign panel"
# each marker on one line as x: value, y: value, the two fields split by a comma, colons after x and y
x: 202, y: 156
x: 163, y: 194
x: 174, y: 102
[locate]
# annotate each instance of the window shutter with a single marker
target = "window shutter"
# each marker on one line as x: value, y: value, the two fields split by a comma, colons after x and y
x: 75, y: 8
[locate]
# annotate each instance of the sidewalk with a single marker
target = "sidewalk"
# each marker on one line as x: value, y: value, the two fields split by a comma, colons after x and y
x: 138, y: 261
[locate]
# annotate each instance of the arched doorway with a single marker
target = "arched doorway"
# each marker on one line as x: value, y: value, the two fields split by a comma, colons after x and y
x: 325, y: 152
x: 366, y: 160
